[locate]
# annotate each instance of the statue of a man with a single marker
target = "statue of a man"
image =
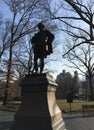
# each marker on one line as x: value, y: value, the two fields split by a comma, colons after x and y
x: 42, y: 45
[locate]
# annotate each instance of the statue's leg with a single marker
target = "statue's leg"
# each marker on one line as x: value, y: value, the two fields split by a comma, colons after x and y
x: 42, y: 64
x: 35, y: 64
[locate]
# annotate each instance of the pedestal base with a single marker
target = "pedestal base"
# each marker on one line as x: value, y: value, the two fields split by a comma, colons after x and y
x: 38, y: 110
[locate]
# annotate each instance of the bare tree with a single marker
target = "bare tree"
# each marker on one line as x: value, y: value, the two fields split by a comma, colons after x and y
x: 77, y: 22
x: 22, y: 23
x: 76, y: 17
x: 23, y: 58
x: 4, y: 37
x: 82, y: 59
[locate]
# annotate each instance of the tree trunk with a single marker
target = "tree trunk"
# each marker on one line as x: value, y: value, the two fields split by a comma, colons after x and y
x: 8, y: 75
x: 91, y: 88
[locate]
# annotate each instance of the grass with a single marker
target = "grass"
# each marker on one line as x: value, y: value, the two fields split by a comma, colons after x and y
x: 76, y: 106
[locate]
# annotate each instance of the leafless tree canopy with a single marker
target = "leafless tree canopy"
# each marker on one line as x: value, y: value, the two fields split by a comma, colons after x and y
x: 77, y: 19
x: 25, y: 16
x: 74, y: 17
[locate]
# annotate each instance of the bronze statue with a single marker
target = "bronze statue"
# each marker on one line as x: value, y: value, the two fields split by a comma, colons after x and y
x: 42, y: 45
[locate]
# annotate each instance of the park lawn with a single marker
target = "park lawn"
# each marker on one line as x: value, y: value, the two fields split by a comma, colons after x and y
x: 76, y: 106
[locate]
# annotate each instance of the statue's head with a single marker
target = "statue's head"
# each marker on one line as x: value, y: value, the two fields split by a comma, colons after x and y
x: 40, y: 26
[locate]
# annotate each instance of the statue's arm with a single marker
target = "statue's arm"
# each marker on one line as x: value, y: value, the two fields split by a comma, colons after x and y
x: 50, y: 37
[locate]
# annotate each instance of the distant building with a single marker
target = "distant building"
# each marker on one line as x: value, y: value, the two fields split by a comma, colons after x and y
x: 68, y: 84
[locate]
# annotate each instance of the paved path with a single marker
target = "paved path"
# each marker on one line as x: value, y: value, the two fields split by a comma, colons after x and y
x: 6, y: 119
x: 78, y: 122
x: 72, y: 122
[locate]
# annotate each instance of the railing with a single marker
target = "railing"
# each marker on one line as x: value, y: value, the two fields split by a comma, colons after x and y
x: 88, y: 110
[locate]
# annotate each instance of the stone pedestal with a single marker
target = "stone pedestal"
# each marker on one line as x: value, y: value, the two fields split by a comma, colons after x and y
x: 38, y: 110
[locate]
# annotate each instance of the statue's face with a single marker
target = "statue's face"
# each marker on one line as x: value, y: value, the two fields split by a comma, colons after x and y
x: 40, y: 26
